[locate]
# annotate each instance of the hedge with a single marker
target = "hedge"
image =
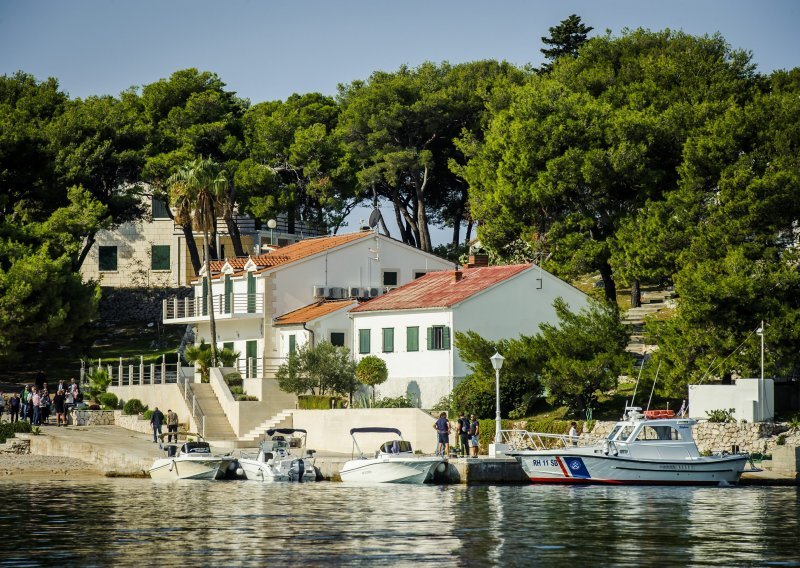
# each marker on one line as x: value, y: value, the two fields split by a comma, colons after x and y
x: 8, y: 429
x: 133, y: 406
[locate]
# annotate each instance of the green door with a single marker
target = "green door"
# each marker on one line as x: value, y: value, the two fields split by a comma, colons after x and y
x: 204, y: 308
x: 228, y: 293
x: 251, y: 293
x: 251, y: 352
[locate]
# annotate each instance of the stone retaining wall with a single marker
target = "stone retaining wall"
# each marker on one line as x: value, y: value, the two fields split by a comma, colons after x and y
x: 132, y: 422
x: 91, y: 417
x: 137, y: 304
x: 761, y: 437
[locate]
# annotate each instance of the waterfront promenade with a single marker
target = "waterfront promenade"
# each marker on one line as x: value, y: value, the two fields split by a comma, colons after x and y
x: 115, y: 451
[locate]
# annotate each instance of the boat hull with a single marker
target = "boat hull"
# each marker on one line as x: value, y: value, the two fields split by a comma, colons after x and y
x: 389, y: 470
x: 171, y: 469
x: 575, y: 468
x: 256, y: 470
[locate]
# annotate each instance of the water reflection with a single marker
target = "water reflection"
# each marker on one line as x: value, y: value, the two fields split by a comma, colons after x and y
x: 133, y: 522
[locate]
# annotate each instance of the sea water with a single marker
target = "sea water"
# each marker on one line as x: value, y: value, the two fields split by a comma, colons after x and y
x: 138, y: 522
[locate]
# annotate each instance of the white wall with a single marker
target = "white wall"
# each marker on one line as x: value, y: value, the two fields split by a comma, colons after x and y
x: 321, y: 328
x: 165, y: 397
x: 743, y: 396
x: 329, y: 430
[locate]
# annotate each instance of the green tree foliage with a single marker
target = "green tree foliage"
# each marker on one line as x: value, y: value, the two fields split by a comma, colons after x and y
x: 565, y: 39
x: 372, y: 371
x: 319, y: 369
x: 399, y: 130
x: 99, y: 380
x: 520, y: 377
x: 200, y: 356
x: 294, y: 163
x: 582, y: 149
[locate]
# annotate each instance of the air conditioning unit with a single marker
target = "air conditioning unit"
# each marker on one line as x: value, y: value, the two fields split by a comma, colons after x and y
x: 374, y: 292
x: 355, y: 292
x: 320, y: 292
x: 336, y: 293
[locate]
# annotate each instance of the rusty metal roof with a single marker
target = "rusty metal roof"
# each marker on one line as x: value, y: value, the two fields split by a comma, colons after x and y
x: 312, y: 312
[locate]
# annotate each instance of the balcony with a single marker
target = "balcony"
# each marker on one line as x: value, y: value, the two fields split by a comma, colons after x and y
x: 230, y: 306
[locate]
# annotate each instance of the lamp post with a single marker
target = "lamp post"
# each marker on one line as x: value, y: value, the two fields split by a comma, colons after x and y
x: 497, y: 364
x: 272, y: 223
x: 761, y: 390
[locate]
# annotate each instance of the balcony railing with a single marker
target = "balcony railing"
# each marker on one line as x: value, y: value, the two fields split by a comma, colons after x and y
x: 225, y: 306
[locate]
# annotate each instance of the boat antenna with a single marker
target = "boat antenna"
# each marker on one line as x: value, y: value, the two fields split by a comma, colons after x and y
x: 625, y: 410
x: 638, y: 379
x: 652, y: 390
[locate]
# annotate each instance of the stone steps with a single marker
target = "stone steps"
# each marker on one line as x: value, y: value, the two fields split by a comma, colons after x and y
x: 274, y: 422
x: 217, y: 427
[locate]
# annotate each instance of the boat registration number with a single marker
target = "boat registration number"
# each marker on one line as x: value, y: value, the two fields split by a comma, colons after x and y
x: 676, y: 467
x: 544, y: 463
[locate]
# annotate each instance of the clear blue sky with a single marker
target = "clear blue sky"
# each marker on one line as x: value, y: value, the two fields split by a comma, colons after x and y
x: 267, y: 50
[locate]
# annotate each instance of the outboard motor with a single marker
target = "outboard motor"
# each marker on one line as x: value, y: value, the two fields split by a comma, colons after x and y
x: 297, y: 470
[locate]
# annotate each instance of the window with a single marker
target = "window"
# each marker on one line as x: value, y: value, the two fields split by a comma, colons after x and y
x: 390, y: 278
x: 419, y: 273
x: 363, y: 341
x: 159, y: 257
x: 337, y: 338
x: 438, y: 338
x: 388, y: 339
x: 159, y: 209
x: 412, y: 338
x: 228, y: 295
x: 292, y: 344
x: 648, y: 433
x: 108, y: 259
x: 228, y: 345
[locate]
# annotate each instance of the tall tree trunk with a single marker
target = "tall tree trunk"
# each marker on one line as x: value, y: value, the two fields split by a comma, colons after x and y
x: 211, y: 319
x: 194, y: 255
x: 290, y: 213
x: 87, y: 246
x: 468, y: 236
x: 236, y: 236
x: 405, y: 234
x: 608, y: 282
x: 423, y: 231
x: 213, y: 245
x: 458, y: 217
x: 636, y: 294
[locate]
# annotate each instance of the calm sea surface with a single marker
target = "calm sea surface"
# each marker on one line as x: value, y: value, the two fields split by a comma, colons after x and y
x: 136, y: 522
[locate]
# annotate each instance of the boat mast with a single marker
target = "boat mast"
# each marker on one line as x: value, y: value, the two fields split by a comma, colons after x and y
x: 654, y: 385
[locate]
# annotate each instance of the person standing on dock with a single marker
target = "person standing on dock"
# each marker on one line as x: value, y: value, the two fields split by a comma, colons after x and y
x: 463, y: 434
x: 573, y: 433
x: 24, y: 397
x: 442, y: 427
x: 156, y: 421
x: 59, y: 403
x: 13, y: 408
x: 172, y: 425
x: 474, y: 434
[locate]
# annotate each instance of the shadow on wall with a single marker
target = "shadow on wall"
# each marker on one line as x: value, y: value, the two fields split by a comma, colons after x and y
x: 413, y: 393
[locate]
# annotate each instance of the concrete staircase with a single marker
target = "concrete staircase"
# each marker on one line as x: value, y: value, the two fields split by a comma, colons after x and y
x: 652, y: 302
x: 217, y: 427
x: 281, y: 420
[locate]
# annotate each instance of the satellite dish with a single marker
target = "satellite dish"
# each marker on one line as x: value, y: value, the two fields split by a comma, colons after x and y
x: 374, y: 218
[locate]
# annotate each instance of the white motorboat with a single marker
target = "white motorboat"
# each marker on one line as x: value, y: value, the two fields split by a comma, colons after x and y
x: 191, y: 460
x: 651, y: 448
x: 393, y: 462
x: 277, y: 462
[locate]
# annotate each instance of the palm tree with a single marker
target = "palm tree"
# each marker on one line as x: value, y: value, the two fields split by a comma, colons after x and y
x: 198, y: 191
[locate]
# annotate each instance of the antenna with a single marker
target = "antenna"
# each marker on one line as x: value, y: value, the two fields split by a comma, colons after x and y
x: 638, y: 379
x: 654, y: 385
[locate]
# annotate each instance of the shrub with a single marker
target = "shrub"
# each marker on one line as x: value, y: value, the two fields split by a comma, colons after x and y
x: 722, y: 416
x: 8, y: 429
x: 237, y: 390
x: 245, y: 397
x: 315, y: 402
x: 133, y: 406
x: 394, y: 402
x: 781, y: 441
x: 108, y: 399
x: 98, y: 382
x: 233, y: 380
x: 148, y: 414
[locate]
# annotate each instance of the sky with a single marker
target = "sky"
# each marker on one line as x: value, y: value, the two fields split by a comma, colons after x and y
x: 267, y: 50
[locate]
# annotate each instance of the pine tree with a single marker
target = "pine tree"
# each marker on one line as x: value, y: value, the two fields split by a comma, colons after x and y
x: 565, y: 39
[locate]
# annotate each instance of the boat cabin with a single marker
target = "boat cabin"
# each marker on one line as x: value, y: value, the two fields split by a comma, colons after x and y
x: 657, y: 438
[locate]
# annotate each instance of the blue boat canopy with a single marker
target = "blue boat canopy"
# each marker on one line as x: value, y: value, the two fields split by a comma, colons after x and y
x: 376, y: 429
x: 287, y: 431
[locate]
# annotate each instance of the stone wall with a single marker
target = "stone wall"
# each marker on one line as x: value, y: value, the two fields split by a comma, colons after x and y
x: 132, y: 422
x: 137, y: 304
x: 761, y: 437
x: 91, y: 417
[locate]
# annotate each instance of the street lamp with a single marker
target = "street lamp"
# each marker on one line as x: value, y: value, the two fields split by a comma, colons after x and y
x: 272, y: 223
x: 497, y: 364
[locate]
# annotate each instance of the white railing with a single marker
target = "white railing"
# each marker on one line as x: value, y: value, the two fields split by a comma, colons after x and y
x: 134, y: 371
x: 224, y: 304
x: 185, y: 384
x: 524, y: 440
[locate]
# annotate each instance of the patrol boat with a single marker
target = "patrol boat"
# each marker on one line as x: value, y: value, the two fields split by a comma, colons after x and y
x: 650, y: 448
x: 275, y: 460
x: 393, y: 462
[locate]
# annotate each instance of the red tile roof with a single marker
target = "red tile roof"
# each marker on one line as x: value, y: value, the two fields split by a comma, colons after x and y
x: 312, y: 312
x: 442, y: 289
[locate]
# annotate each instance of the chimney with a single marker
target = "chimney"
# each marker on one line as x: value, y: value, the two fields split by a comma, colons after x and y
x: 458, y: 275
x: 478, y: 260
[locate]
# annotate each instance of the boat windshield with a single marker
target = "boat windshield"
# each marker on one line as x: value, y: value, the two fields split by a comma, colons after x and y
x: 624, y: 433
x: 396, y: 447
x: 613, y: 432
x: 649, y: 433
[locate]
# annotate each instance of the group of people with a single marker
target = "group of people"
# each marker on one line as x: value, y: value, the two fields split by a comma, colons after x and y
x: 467, y: 432
x: 157, y: 423
x: 35, y: 404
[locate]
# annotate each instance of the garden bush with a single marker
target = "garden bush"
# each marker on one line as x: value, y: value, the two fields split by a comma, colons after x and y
x: 134, y: 406
x: 147, y: 414
x: 108, y: 399
x: 8, y: 429
x: 237, y: 390
x: 317, y: 402
x: 245, y: 397
x: 233, y: 380
x: 394, y: 402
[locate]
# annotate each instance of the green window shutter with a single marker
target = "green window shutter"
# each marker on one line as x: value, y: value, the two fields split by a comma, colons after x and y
x: 430, y: 339
x: 388, y: 339
x: 205, y: 296
x: 251, y: 349
x: 228, y: 345
x: 412, y: 339
x: 292, y: 344
x: 159, y: 257
x: 228, y: 293
x: 251, y: 293
x: 363, y: 341
x: 445, y: 337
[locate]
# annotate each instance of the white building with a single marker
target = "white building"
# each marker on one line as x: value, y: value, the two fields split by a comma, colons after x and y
x: 412, y: 328
x: 752, y: 400
x: 269, y: 304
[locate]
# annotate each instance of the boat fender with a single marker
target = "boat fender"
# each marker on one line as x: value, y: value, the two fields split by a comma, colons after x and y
x: 441, y: 468
x: 171, y: 465
x: 239, y: 472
